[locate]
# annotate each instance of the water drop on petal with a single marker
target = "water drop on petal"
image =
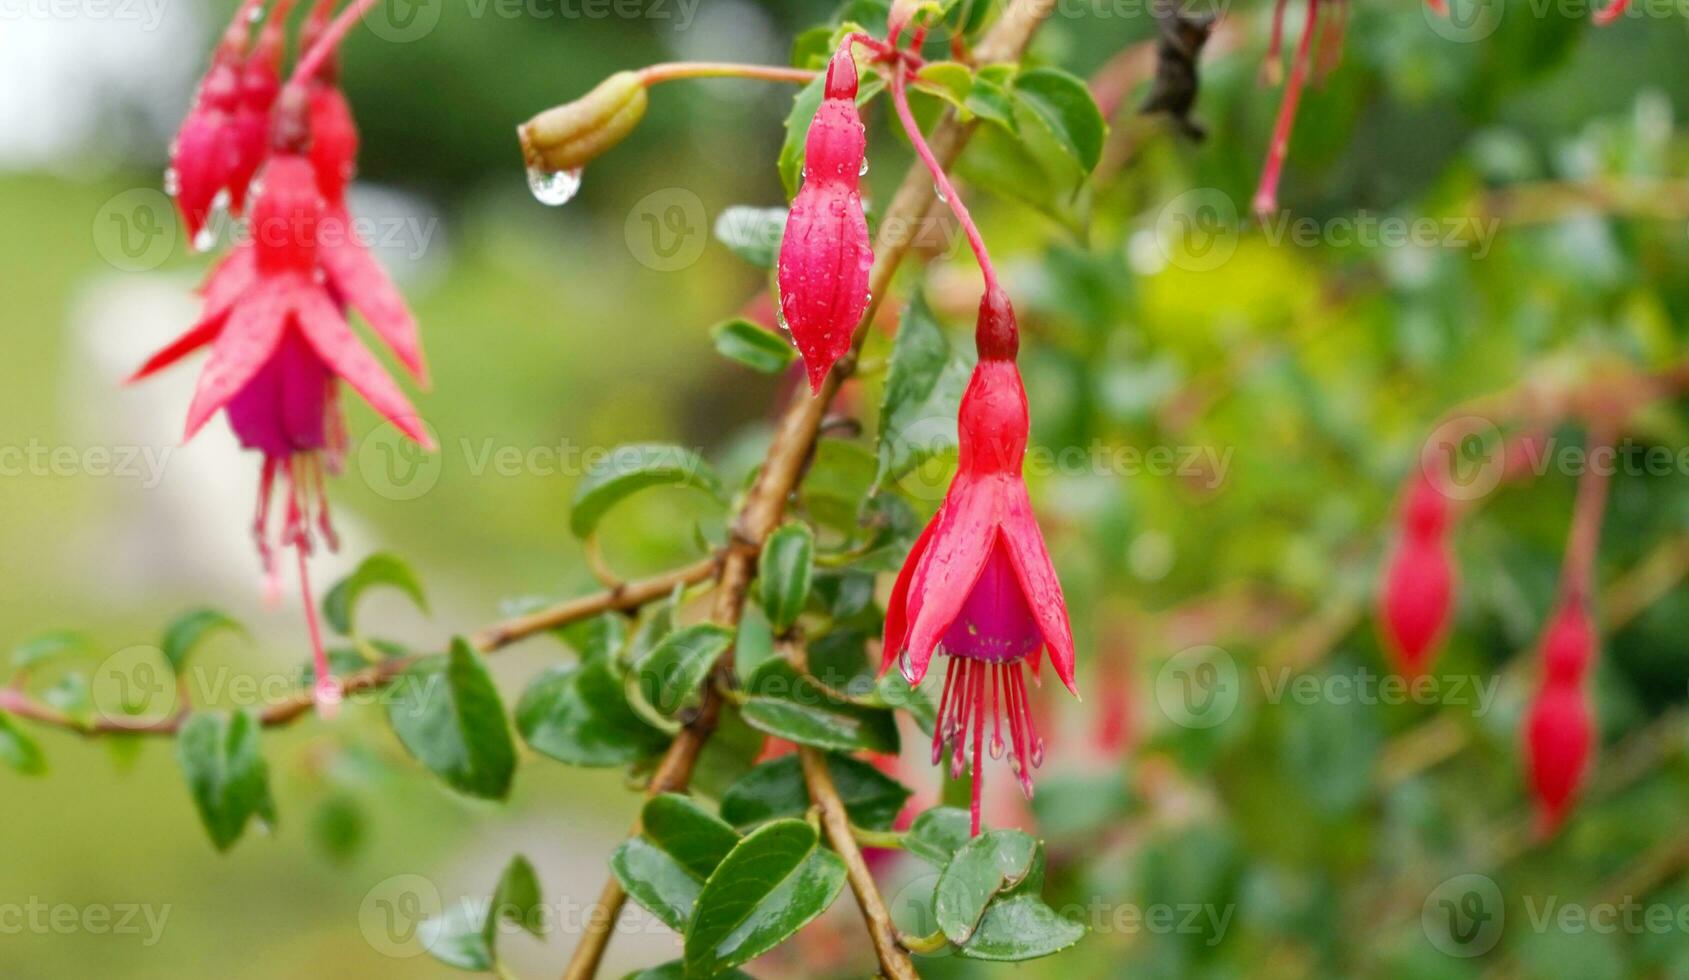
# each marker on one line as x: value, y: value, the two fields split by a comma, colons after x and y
x: 172, y: 182
x: 205, y: 238
x: 862, y: 171
x: 554, y: 187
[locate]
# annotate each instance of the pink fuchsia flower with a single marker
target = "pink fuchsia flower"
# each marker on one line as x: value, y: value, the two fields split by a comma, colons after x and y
x: 1417, y: 594
x: 280, y: 346
x: 979, y: 585
x: 1559, y: 727
x: 825, y: 255
x: 202, y: 156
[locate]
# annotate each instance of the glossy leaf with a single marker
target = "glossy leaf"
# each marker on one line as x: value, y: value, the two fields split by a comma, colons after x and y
x: 576, y: 714
x: 1021, y: 927
x: 753, y: 234
x: 227, y: 776
x: 784, y: 573
x: 466, y: 935
x: 380, y: 569
x: 190, y: 629
x: 924, y: 386
x: 986, y: 865
x: 48, y: 645
x: 823, y: 727
x: 18, y: 750
x: 937, y: 833
x: 671, y: 674
x: 449, y: 716
x: 681, y: 843
x: 1064, y: 106
x: 630, y: 469
x: 766, y: 889
x: 744, y: 343
x: 776, y: 789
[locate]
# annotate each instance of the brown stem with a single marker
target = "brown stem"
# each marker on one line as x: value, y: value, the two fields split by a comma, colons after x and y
x: 630, y: 595
x: 789, y: 450
x: 894, y: 959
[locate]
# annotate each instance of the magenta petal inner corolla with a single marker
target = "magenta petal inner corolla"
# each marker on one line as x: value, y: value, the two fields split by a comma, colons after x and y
x: 995, y: 623
x: 282, y: 410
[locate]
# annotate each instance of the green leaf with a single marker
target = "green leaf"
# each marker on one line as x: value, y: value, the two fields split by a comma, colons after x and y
x: 766, y: 889
x: 48, y: 645
x: 378, y: 569
x: 665, y: 868
x: 466, y: 935
x: 937, y: 833
x: 455, y: 938
x: 991, y: 101
x: 790, y: 161
x: 226, y: 773
x: 1026, y: 163
x: 785, y: 569
x: 823, y: 726
x: 448, y: 714
x: 1064, y: 105
x: 986, y: 865
x: 72, y: 697
x: 630, y: 469
x: 577, y: 715
x: 516, y: 900
x: 924, y: 386
x: 339, y: 828
x: 949, y: 80
x: 599, y: 638
x: 1021, y: 927
x: 776, y: 789
x: 749, y: 345
x: 753, y: 234
x: 755, y: 645
x: 671, y: 674
x: 188, y: 630
x: 19, y: 750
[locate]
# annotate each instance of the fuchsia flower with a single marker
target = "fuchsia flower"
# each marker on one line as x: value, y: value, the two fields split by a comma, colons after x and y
x: 202, y: 157
x: 1559, y: 727
x: 1418, y: 589
x: 275, y: 317
x: 979, y: 585
x: 825, y: 254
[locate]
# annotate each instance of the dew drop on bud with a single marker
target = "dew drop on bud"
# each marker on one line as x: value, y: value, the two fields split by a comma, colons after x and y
x: 862, y: 170
x: 554, y: 187
x: 205, y: 238
x: 172, y: 182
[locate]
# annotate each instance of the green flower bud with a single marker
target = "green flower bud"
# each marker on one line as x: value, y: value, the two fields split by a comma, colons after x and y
x: 568, y: 136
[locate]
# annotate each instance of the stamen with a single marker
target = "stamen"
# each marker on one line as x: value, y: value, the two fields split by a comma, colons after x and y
x: 1272, y: 71
x: 1015, y: 690
x: 261, y: 518
x: 979, y: 732
x: 996, y: 712
x: 1266, y: 195
x: 1033, y: 741
x: 327, y: 690
x: 943, y: 704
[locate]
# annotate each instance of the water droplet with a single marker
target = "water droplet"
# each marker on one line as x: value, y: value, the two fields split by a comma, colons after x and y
x: 938, y: 192
x: 996, y: 746
x: 205, y: 238
x: 862, y: 171
x: 256, y: 14
x: 554, y: 187
x: 172, y: 182
x: 1038, y: 753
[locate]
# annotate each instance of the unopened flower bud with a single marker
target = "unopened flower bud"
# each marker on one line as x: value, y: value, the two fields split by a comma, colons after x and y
x: 569, y: 136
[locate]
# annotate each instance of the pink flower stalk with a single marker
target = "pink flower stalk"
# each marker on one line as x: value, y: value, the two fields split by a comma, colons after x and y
x: 825, y: 254
x: 979, y: 585
x: 1266, y: 194
x: 275, y: 320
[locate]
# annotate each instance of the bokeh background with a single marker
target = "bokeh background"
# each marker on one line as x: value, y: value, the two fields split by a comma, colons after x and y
x: 1283, y: 835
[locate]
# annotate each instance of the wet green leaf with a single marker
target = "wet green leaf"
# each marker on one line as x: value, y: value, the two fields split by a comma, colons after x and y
x: 449, y: 716
x: 766, y: 889
x: 577, y: 714
x: 776, y: 789
x: 784, y: 573
x: 227, y: 776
